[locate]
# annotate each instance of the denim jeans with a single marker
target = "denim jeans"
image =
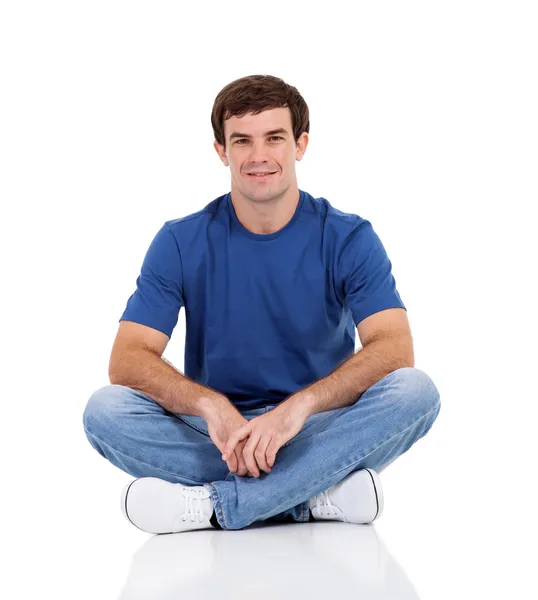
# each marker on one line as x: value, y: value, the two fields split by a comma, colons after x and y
x: 143, y: 439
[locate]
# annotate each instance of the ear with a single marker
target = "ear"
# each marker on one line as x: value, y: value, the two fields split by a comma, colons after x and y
x: 221, y: 152
x: 302, y: 143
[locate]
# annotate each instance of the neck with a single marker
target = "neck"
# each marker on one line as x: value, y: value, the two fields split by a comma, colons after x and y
x: 264, y: 215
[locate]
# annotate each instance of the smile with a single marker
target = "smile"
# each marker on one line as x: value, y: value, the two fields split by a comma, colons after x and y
x: 265, y: 176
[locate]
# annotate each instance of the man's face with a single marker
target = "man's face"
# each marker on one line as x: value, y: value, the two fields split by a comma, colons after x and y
x: 265, y: 144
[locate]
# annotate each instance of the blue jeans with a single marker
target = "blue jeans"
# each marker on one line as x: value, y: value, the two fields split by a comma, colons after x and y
x: 140, y: 437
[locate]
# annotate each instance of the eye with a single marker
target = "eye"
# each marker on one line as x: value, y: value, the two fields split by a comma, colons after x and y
x: 273, y: 137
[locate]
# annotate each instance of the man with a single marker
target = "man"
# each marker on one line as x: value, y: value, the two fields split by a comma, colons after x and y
x: 276, y: 417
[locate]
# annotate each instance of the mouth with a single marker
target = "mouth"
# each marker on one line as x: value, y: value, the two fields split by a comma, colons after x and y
x: 261, y: 177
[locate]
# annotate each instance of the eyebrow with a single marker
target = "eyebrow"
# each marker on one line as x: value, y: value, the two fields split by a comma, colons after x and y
x: 246, y: 135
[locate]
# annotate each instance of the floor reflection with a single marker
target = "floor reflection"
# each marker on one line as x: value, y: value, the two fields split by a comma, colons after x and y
x: 291, y: 560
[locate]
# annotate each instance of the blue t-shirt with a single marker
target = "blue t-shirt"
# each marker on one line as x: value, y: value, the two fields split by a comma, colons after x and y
x: 266, y: 314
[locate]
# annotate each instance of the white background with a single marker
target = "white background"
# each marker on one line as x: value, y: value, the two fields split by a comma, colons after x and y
x: 423, y: 120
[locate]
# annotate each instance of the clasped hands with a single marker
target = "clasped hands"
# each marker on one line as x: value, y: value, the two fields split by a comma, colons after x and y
x: 266, y: 434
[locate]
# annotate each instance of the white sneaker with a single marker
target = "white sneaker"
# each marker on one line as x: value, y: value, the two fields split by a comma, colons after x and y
x: 358, y: 498
x: 158, y: 506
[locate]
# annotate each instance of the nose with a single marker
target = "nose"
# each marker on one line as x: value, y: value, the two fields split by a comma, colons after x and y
x: 259, y: 155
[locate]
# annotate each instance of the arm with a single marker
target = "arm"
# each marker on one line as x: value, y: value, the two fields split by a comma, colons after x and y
x: 364, y: 272
x: 146, y: 326
x: 136, y: 362
x: 387, y: 346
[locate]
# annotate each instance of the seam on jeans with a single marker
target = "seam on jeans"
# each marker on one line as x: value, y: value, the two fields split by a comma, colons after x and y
x: 220, y: 503
x: 193, y: 482
x: 191, y: 425
x: 366, y: 455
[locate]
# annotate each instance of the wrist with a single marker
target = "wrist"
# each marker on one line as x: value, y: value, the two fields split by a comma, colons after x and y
x: 210, y: 405
x: 301, y: 402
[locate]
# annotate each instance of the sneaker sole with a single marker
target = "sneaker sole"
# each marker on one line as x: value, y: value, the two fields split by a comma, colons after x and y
x: 376, y: 482
x: 124, y: 495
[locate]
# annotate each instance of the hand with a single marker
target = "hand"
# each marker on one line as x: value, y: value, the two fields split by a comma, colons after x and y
x: 239, y: 466
x: 220, y: 425
x: 266, y: 435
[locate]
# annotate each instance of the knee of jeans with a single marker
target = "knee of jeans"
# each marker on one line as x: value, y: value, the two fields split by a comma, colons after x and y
x: 102, y: 406
x: 420, y: 390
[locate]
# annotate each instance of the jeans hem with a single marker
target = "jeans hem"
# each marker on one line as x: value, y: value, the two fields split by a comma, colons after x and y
x: 217, y: 504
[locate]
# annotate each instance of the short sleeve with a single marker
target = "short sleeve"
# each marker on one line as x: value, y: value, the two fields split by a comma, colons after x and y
x: 158, y: 297
x: 366, y: 274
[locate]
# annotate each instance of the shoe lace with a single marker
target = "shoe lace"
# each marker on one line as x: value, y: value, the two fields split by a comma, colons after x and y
x: 324, y: 500
x: 193, y: 503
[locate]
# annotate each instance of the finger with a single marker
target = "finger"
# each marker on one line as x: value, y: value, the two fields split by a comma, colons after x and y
x: 241, y: 466
x: 232, y: 462
x: 237, y: 436
x: 229, y: 449
x: 271, y: 451
x: 248, y: 455
x: 239, y: 458
x: 260, y: 454
x: 230, y: 458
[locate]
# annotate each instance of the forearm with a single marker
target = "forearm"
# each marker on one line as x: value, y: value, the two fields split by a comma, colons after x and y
x: 346, y: 384
x: 152, y: 375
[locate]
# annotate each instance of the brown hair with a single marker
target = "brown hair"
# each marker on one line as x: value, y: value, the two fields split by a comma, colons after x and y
x: 256, y: 93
